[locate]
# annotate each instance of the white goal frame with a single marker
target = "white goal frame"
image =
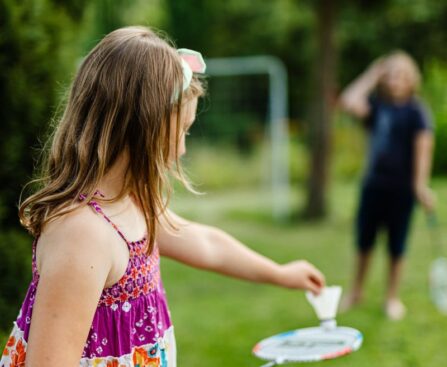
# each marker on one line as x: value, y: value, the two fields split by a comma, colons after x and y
x: 278, y: 117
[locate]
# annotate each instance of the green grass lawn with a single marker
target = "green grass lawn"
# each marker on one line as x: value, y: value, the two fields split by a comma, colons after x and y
x: 218, y: 320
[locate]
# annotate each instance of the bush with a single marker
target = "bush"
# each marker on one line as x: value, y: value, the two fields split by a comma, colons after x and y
x: 435, y: 94
x: 222, y: 166
x: 15, y: 275
x: 38, y: 49
x: 349, y: 148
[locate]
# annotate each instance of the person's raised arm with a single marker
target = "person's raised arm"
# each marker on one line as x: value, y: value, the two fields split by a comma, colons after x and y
x: 354, y: 98
x: 209, y: 248
x: 73, y: 265
x: 422, y: 168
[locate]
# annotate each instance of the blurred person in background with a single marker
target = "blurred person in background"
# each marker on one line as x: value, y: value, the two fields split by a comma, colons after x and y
x: 398, y: 165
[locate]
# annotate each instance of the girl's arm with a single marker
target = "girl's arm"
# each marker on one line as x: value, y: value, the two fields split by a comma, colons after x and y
x: 422, y: 168
x: 354, y: 98
x: 209, y: 248
x: 73, y: 264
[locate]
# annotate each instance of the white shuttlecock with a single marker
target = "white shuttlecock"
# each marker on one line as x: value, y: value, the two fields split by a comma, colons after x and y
x: 326, y: 303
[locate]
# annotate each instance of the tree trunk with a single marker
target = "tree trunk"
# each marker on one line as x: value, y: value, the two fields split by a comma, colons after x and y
x: 320, y: 143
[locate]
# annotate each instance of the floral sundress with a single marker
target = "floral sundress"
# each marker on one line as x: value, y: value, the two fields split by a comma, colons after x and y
x: 131, y: 325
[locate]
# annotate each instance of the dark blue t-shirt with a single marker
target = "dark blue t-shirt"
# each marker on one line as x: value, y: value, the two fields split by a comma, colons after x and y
x: 393, y: 129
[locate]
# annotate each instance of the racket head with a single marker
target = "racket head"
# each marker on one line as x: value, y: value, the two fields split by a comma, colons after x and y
x: 309, y: 345
x: 438, y: 283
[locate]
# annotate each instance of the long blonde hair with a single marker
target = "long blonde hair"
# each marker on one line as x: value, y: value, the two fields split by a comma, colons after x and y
x: 121, y: 100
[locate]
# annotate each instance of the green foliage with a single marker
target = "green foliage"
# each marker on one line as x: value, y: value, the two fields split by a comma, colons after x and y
x: 436, y: 94
x: 143, y: 12
x: 221, y: 166
x: 368, y: 31
x: 15, y: 275
x: 4, y: 337
x: 240, y: 28
x: 349, y: 148
x: 34, y: 61
x: 38, y: 52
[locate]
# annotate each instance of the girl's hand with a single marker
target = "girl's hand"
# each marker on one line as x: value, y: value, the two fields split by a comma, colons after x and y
x: 302, y: 275
x: 378, y: 67
x: 426, y: 198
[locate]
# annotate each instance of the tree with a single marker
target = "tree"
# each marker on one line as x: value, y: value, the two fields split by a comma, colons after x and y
x: 321, y: 124
x: 34, y: 59
x: 37, y: 52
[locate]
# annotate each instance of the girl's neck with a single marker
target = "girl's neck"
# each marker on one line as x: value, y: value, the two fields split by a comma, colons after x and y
x: 112, y: 184
x: 396, y: 101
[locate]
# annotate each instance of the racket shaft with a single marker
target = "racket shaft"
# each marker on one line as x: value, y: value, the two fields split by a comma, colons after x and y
x: 270, y: 364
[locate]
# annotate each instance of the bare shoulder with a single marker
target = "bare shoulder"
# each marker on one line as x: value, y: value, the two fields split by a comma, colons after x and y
x: 75, y: 237
x: 73, y: 269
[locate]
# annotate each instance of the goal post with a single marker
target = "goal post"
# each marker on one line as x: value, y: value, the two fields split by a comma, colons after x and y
x: 277, y: 117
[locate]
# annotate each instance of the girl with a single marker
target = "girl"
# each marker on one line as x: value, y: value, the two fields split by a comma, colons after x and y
x: 398, y: 168
x: 100, y: 220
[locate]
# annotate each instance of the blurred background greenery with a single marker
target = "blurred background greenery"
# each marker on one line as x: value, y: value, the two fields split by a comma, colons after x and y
x: 43, y: 41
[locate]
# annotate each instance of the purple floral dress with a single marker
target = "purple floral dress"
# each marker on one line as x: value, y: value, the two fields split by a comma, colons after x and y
x: 131, y: 326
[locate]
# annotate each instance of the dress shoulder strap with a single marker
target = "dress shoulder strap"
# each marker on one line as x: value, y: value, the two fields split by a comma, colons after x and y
x: 97, y: 208
x: 34, y: 258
